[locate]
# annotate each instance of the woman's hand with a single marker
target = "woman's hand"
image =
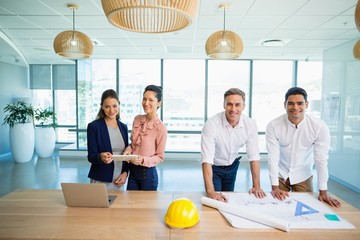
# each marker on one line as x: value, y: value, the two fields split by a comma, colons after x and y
x: 127, y: 151
x: 137, y: 161
x: 106, y: 157
x: 120, y: 180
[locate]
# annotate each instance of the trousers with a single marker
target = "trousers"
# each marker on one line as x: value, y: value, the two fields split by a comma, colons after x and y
x: 142, y: 178
x: 224, y: 176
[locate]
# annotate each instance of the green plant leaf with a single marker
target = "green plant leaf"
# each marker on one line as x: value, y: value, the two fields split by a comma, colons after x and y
x: 45, y: 117
x: 20, y: 112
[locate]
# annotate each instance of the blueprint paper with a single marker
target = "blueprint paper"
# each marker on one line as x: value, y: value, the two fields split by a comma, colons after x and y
x: 301, y: 210
x: 243, y: 212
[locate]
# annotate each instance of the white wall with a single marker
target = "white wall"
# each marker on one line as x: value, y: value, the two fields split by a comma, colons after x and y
x: 13, y: 84
x: 341, y: 111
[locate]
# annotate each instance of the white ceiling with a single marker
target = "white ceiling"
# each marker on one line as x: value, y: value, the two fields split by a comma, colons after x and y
x: 307, y: 27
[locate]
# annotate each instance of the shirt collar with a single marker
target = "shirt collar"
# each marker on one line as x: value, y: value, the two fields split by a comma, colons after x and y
x: 293, y: 125
x: 225, y: 123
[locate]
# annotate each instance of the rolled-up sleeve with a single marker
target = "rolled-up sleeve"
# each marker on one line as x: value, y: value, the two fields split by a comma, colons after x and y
x: 252, y: 144
x: 208, y: 143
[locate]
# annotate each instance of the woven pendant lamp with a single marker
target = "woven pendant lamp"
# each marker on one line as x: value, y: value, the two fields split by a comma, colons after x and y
x: 150, y: 16
x: 224, y: 44
x: 73, y: 44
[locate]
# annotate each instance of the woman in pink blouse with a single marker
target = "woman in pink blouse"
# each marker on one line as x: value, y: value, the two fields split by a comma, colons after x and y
x: 148, y: 138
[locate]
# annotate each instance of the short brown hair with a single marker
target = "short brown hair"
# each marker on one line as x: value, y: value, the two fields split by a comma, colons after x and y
x: 234, y: 91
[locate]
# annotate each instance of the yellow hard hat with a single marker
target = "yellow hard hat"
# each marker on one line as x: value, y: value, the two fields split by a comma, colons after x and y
x: 182, y: 213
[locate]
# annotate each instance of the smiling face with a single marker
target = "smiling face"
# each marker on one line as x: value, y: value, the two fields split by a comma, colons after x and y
x: 233, y: 105
x: 295, y: 108
x: 110, y: 108
x: 150, y: 103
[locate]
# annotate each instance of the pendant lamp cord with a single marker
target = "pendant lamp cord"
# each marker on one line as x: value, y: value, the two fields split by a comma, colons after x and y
x: 224, y: 18
x: 73, y: 19
x: 73, y: 42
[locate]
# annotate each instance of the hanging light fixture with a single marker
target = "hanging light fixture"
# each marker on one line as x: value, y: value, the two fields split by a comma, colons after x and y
x: 150, y: 16
x: 356, y: 50
x: 73, y: 44
x: 357, y: 15
x: 224, y: 44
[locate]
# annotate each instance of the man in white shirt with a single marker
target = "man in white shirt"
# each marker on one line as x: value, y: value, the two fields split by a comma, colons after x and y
x: 295, y: 141
x: 221, y: 138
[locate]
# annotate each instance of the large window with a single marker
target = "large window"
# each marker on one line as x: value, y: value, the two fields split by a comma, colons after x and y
x: 94, y: 77
x: 54, y: 86
x: 271, y: 80
x: 64, y: 85
x: 42, y: 98
x: 309, y: 77
x: 65, y: 107
x: 223, y: 75
x: 184, y: 91
x: 193, y: 92
x: 135, y: 75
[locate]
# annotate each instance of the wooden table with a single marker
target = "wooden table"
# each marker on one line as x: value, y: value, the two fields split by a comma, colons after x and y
x: 42, y: 214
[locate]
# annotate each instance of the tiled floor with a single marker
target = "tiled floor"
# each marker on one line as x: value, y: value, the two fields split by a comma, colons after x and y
x: 174, y: 175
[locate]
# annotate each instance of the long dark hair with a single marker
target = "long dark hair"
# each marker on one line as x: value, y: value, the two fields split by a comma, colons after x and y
x: 110, y: 93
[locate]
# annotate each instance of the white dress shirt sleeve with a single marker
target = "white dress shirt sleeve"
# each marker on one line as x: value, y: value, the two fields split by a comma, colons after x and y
x: 321, y: 155
x: 273, y: 148
x: 208, y: 139
x: 252, y: 144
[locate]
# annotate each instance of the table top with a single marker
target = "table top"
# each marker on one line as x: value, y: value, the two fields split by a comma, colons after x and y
x: 42, y: 214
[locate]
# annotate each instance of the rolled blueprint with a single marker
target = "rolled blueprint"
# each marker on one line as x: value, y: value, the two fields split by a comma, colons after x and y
x: 245, y: 213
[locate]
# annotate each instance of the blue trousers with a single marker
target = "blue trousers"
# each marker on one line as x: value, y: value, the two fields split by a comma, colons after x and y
x: 142, y: 178
x: 224, y: 176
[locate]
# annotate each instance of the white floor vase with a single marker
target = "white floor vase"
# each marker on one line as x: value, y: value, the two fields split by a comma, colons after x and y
x: 22, y: 142
x: 44, y: 141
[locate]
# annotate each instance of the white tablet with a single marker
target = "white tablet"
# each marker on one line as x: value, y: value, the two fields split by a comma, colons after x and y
x: 124, y: 157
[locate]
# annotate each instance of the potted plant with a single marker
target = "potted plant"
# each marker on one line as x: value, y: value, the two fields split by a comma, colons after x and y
x: 45, y: 120
x: 20, y: 118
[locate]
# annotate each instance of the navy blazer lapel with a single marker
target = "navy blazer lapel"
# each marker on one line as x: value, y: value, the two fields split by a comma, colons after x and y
x: 105, y: 135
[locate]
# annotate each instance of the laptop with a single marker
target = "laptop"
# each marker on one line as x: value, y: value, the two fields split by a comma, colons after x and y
x: 86, y: 195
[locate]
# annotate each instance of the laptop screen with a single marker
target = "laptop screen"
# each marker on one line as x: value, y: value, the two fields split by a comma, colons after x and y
x: 86, y: 195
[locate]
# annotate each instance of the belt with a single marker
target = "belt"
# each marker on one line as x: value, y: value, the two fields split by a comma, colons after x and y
x: 236, y: 159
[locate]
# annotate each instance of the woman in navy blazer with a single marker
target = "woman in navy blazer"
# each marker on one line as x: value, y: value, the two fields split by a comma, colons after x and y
x: 107, y: 136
